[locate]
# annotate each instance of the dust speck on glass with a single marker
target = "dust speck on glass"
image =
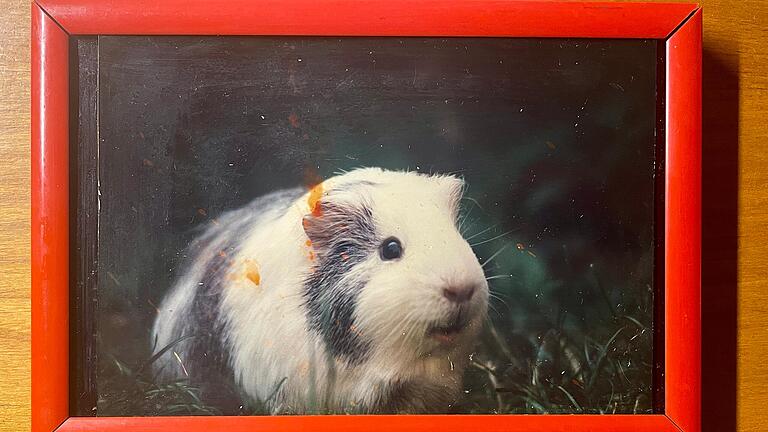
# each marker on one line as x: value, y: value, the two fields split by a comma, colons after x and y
x: 300, y: 225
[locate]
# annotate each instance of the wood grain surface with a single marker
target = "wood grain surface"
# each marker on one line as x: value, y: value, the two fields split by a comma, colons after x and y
x: 14, y: 222
x: 735, y: 272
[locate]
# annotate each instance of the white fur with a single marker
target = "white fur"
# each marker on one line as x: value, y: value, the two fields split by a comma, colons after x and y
x: 270, y: 339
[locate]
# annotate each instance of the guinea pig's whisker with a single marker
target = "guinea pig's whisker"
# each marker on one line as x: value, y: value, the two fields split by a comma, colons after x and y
x: 494, y: 310
x: 474, y: 201
x: 479, y: 233
x: 454, y: 172
x: 495, y: 294
x: 463, y: 219
x: 496, y: 297
x: 492, y: 257
x: 492, y: 238
x: 467, y: 228
x: 498, y: 277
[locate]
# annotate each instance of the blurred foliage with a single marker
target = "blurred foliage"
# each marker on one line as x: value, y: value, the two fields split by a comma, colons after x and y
x: 128, y: 391
x: 581, y: 343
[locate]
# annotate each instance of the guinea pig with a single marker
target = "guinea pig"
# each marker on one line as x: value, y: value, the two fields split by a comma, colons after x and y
x: 357, y: 296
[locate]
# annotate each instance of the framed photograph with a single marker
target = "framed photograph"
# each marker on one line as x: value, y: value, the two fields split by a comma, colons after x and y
x: 384, y: 215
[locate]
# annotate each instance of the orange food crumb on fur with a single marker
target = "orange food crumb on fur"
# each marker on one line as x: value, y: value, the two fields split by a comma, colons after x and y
x: 252, y: 272
x: 314, y: 199
x: 309, y: 243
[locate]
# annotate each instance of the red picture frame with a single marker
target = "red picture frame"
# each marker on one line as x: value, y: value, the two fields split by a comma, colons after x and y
x: 678, y: 25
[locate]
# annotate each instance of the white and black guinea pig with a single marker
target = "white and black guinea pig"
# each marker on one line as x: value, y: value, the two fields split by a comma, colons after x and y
x: 357, y: 296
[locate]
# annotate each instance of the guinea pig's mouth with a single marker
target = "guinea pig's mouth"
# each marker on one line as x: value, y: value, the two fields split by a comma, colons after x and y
x: 447, y: 333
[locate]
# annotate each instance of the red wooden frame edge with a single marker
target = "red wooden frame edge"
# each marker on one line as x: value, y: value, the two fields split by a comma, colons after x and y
x: 50, y: 192
x: 456, y: 423
x: 371, y: 18
x: 49, y: 224
x: 683, y: 226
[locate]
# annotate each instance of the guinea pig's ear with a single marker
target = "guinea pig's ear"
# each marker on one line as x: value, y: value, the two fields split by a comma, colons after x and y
x: 321, y: 222
x: 313, y: 222
x: 332, y: 222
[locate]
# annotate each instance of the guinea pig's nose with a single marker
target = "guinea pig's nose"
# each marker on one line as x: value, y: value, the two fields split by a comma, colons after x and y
x: 459, y: 294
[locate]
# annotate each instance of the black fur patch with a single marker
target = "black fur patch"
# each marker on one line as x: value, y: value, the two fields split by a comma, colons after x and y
x: 342, y: 237
x: 208, y: 360
x: 206, y: 356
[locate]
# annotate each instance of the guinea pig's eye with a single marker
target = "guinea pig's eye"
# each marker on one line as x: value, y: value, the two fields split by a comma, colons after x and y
x: 391, y: 249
